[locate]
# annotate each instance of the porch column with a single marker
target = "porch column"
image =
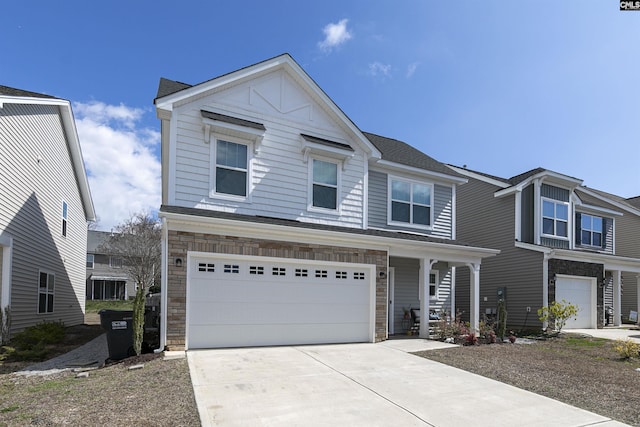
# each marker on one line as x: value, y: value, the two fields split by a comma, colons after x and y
x: 617, y: 297
x: 474, y: 286
x: 638, y: 296
x: 423, y: 294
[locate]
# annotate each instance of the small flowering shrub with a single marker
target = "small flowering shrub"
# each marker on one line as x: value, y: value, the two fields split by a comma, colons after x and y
x: 627, y: 348
x: 471, y: 339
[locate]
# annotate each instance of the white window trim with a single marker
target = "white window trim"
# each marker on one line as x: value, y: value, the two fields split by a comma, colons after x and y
x: 212, y: 172
x: 390, y: 179
x: 310, y: 207
x: 569, y: 221
x: 65, y: 219
x: 602, y: 237
x: 437, y: 285
x: 93, y: 261
x: 47, y: 292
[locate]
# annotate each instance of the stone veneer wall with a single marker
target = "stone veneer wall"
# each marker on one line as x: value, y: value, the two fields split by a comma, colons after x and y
x: 583, y: 269
x: 180, y: 242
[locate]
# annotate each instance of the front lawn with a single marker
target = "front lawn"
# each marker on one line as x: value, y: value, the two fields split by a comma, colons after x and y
x: 582, y: 371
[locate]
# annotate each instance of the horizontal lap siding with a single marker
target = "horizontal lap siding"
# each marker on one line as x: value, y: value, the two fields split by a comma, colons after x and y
x: 406, y: 280
x: 486, y: 221
x: 278, y: 172
x: 442, y: 207
x: 31, y: 211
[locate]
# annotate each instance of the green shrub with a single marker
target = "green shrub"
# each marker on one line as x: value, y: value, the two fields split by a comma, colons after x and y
x: 31, y: 344
x: 558, y: 313
x: 627, y: 348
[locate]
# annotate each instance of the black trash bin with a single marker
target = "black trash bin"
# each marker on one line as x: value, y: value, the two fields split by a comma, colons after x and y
x: 119, y: 327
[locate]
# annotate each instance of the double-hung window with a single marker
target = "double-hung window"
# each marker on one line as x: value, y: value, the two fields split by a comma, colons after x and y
x: 90, y: 260
x: 410, y: 203
x: 433, y: 284
x: 46, y: 285
x: 325, y: 185
x: 231, y: 168
x: 590, y: 230
x: 555, y: 218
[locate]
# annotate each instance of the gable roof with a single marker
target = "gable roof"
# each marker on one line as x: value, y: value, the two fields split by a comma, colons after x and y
x: 634, y: 201
x: 171, y: 92
x: 10, y: 95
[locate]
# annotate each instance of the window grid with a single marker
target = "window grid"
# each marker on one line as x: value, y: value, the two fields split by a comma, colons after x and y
x: 591, y: 230
x: 555, y: 218
x: 90, y: 261
x: 410, y: 202
x: 256, y: 270
x: 209, y: 268
x: 64, y: 218
x: 278, y: 271
x: 231, y: 268
x: 231, y: 168
x: 325, y: 185
x: 302, y: 272
x: 46, y: 286
x: 341, y: 274
x: 358, y: 276
x: 321, y: 273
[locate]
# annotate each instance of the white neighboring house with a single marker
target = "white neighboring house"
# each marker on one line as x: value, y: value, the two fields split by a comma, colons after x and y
x: 284, y: 223
x: 45, y: 203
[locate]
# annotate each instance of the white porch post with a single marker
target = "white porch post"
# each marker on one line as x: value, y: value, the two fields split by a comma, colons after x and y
x: 453, y: 294
x: 474, y: 315
x: 425, y: 267
x: 617, y: 297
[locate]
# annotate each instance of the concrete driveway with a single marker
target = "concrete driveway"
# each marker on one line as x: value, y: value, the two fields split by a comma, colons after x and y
x: 361, y: 385
x: 622, y: 333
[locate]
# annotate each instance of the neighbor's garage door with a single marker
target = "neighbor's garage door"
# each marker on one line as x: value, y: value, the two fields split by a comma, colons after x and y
x: 242, y: 301
x: 580, y: 291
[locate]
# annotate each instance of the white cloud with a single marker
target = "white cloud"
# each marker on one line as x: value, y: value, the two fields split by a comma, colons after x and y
x: 411, y: 69
x: 119, y: 155
x: 334, y: 35
x: 379, y: 69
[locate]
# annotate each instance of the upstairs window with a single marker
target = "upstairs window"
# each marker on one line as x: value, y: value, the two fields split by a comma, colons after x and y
x: 231, y: 168
x: 64, y: 219
x: 90, y: 260
x: 325, y: 185
x: 46, y: 285
x: 410, y: 203
x: 433, y: 284
x: 115, y: 262
x: 555, y: 218
x: 590, y: 230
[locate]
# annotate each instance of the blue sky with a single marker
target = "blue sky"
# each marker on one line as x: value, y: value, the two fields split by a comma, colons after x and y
x: 499, y: 86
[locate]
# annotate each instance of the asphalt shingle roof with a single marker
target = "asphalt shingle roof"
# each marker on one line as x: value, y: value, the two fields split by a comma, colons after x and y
x: 11, y: 91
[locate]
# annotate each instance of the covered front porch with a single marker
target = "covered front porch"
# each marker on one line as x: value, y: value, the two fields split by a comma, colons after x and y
x: 426, y: 285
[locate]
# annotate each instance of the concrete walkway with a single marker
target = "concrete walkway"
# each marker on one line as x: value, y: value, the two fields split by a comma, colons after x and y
x: 361, y: 385
x: 622, y: 333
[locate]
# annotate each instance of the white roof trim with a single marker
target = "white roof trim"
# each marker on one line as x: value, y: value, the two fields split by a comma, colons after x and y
x: 282, y: 61
x: 627, y: 208
x: 398, y: 167
x: 574, y: 182
x: 73, y: 143
x: 479, y: 177
x: 581, y: 206
x: 445, y: 252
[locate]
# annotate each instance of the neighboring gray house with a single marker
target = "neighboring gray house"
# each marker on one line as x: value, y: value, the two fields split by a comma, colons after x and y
x: 558, y: 240
x: 106, y: 279
x: 283, y: 223
x: 45, y: 204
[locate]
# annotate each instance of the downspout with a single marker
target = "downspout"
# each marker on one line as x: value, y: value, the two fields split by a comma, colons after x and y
x: 163, y: 288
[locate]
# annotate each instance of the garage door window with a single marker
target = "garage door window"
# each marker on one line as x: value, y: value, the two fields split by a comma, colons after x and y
x: 302, y: 272
x: 358, y: 276
x: 277, y: 271
x: 321, y: 274
x: 230, y: 268
x: 203, y: 266
x: 341, y: 274
x: 256, y: 270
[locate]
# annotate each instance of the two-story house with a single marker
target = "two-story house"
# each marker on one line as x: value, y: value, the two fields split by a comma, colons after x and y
x: 284, y: 223
x: 45, y: 204
x: 559, y: 240
x: 106, y: 279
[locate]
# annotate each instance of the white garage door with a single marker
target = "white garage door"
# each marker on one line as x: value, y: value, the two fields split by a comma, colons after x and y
x: 256, y: 301
x: 580, y: 291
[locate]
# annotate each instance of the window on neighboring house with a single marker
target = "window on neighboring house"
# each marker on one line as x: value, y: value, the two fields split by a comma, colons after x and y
x: 410, y: 203
x: 433, y: 285
x: 90, y: 259
x: 325, y: 184
x: 45, y: 292
x: 555, y: 218
x: 231, y: 168
x: 590, y: 230
x: 64, y: 219
x: 115, y: 262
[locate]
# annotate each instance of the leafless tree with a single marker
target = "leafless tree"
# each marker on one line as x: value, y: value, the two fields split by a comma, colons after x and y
x: 137, y: 241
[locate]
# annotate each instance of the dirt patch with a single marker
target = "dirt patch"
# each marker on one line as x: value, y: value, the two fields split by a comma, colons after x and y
x: 581, y: 371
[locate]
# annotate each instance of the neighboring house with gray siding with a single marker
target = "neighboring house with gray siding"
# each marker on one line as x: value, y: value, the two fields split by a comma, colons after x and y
x: 284, y: 223
x: 106, y: 278
x: 558, y: 240
x: 44, y: 210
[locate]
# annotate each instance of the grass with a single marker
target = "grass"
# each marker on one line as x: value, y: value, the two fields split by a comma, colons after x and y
x: 94, y: 306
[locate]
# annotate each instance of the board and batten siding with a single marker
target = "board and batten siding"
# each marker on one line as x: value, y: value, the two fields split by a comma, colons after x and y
x: 486, y: 221
x: 37, y: 175
x: 277, y: 171
x: 378, y: 207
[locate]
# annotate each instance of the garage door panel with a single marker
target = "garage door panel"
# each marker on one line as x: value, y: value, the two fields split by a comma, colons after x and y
x: 578, y: 291
x: 262, y: 335
x: 230, y: 304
